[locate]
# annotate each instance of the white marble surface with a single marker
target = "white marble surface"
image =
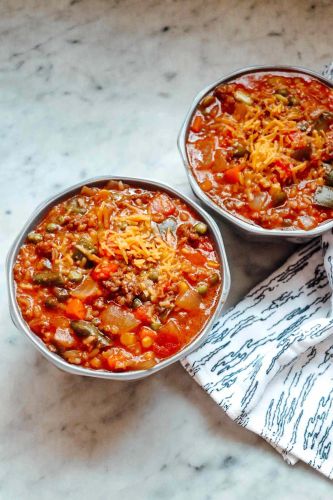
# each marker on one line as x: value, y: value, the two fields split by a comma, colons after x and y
x: 101, y: 87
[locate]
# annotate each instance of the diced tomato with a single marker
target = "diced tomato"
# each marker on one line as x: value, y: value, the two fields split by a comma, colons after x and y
x: 197, y: 124
x: 194, y: 256
x: 285, y: 170
x: 143, y: 313
x: 147, y: 332
x: 87, y: 290
x: 165, y: 345
x: 171, y: 327
x: 162, y: 204
x: 104, y: 270
x: 220, y: 163
x: 119, y: 359
x: 75, y: 308
x: 232, y: 175
x: 206, y: 245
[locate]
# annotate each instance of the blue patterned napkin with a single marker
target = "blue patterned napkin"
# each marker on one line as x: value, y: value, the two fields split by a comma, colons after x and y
x: 268, y: 361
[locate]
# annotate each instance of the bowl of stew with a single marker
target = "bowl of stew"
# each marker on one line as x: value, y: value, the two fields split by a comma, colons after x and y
x: 117, y: 277
x: 258, y: 149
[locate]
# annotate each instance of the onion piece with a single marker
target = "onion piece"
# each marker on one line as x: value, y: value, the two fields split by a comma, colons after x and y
x: 324, y: 196
x: 189, y: 300
x: 88, y: 289
x: 124, y: 320
x: 307, y: 222
x: 259, y: 201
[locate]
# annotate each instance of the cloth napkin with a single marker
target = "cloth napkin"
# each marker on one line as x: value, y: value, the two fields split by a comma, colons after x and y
x: 268, y: 361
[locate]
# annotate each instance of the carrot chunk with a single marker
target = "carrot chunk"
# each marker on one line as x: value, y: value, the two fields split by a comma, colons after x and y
x: 206, y: 185
x: 75, y: 308
x: 197, y: 124
x: 104, y: 270
x: 232, y: 175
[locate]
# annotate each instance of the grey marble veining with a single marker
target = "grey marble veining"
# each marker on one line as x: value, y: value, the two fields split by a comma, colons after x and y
x: 101, y: 87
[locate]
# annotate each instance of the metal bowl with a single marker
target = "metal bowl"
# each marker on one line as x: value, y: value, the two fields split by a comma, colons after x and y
x: 246, y: 227
x: 58, y: 361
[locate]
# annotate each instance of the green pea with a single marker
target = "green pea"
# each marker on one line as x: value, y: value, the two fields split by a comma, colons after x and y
x: 52, y: 227
x: 153, y: 275
x: 200, y: 228
x: 202, y: 288
x: 214, y: 278
x: 155, y: 325
x: 34, y: 237
x: 60, y: 219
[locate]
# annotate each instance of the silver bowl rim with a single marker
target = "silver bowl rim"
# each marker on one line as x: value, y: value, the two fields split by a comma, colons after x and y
x: 242, y: 223
x: 57, y: 360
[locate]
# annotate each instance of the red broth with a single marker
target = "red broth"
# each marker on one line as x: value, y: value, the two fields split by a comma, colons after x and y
x: 118, y: 278
x: 260, y: 146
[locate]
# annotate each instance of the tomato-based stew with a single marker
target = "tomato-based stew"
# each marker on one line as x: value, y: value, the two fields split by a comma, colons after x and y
x: 118, y: 278
x: 261, y: 147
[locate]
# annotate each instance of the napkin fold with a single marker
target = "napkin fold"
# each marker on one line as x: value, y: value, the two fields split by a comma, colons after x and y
x: 268, y: 361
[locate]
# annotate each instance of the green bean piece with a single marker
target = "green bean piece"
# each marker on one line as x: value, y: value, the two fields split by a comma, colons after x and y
x: 202, y: 288
x: 324, y: 196
x: 136, y: 303
x: 200, y: 228
x: 48, y: 278
x: 86, y: 329
x: 52, y: 227
x: 84, y: 248
x: 51, y: 302
x: 328, y: 176
x: 61, y: 293
x: 83, y: 328
x: 75, y: 276
x: 239, y: 151
x: 34, y: 237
